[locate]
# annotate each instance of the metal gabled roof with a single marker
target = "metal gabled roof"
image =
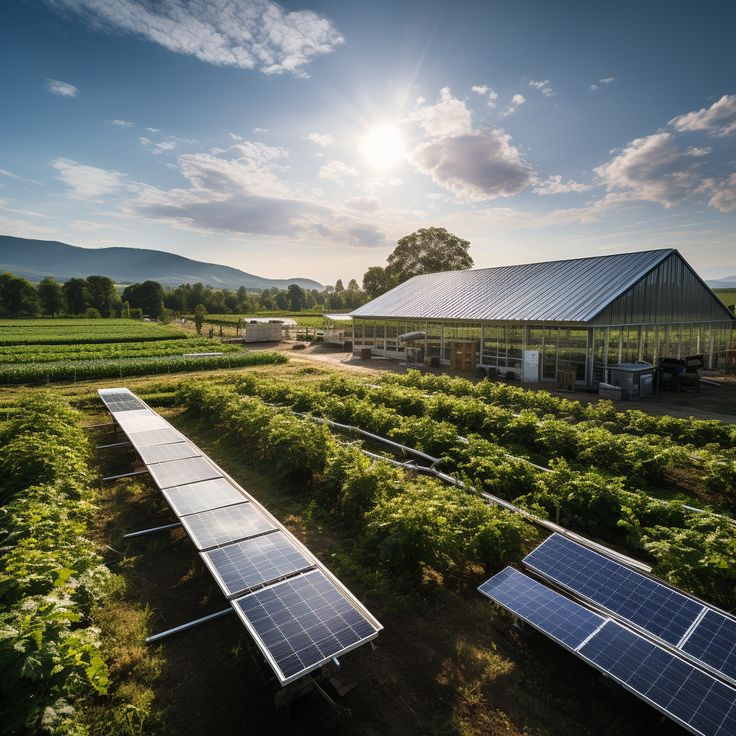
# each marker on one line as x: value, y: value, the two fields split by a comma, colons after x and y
x: 556, y: 291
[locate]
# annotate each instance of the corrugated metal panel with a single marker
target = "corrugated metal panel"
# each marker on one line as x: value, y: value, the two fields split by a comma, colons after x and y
x: 556, y: 291
x: 671, y: 292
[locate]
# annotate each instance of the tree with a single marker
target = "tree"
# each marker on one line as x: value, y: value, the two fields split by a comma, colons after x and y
x: 102, y: 294
x: 297, y: 298
x: 125, y: 310
x: 339, y: 287
x: 17, y: 295
x: 282, y: 301
x: 51, y: 296
x: 427, y: 250
x: 199, y: 314
x: 148, y: 296
x: 375, y: 281
x: 76, y: 295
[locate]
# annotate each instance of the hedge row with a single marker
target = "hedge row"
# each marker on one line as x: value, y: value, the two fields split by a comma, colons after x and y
x: 695, y: 551
x: 76, y: 370
x: 401, y: 523
x: 50, y: 572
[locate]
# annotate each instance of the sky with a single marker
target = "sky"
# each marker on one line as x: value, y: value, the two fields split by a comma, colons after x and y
x: 304, y: 139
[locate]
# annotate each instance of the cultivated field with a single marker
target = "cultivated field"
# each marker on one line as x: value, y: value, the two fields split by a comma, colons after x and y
x: 727, y: 296
x: 62, y: 350
x: 411, y: 549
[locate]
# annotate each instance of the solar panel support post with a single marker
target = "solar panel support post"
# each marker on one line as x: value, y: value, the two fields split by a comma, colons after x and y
x: 189, y: 625
x: 153, y: 529
x: 114, y: 444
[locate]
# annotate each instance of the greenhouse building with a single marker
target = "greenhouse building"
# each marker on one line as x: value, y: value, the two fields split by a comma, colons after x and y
x: 534, y: 321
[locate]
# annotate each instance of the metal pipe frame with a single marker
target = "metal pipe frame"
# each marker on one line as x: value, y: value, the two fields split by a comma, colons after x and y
x: 153, y: 529
x: 189, y: 625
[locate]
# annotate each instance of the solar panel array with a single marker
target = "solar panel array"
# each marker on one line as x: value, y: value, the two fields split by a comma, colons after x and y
x: 701, y: 632
x: 688, y: 695
x: 302, y: 622
x: 299, y: 616
x: 563, y: 620
x: 255, y: 562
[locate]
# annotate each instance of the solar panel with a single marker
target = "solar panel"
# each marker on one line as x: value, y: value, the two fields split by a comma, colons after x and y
x: 250, y: 564
x: 150, y: 437
x: 122, y: 400
x: 646, y: 603
x: 180, y: 472
x: 214, y: 528
x: 165, y: 453
x: 138, y: 421
x: 686, y: 694
x: 203, y: 496
x: 713, y: 641
x: 301, y: 623
x: 563, y: 620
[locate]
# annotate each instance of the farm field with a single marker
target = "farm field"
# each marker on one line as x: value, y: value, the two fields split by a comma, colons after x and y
x: 727, y: 296
x: 411, y: 549
x: 302, y: 319
x: 63, y: 350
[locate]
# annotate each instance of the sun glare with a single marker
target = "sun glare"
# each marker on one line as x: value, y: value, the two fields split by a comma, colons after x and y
x: 382, y: 146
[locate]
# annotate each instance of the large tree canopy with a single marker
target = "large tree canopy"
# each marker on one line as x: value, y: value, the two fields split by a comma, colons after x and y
x: 427, y: 250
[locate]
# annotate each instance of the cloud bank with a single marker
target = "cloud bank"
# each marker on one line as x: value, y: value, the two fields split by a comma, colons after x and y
x: 250, y: 34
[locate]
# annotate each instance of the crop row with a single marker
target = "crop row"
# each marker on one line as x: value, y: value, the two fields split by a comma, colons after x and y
x: 51, y: 574
x: 76, y: 370
x: 697, y: 432
x: 695, y: 551
x: 140, y: 349
x: 79, y: 331
x: 399, y: 522
x: 641, y: 460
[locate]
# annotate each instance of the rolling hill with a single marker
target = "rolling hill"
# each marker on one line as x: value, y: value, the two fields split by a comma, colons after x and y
x: 36, y: 259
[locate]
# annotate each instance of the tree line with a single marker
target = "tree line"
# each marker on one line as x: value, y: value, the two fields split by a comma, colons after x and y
x: 427, y: 250
x: 96, y: 296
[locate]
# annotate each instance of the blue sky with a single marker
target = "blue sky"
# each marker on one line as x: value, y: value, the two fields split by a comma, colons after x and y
x: 306, y: 138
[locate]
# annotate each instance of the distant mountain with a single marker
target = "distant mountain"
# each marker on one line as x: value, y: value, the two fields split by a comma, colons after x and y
x: 36, y: 259
x: 729, y: 282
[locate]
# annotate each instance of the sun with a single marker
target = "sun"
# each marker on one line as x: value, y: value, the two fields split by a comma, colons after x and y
x: 382, y: 147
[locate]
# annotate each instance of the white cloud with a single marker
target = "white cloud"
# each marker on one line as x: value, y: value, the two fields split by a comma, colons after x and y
x: 239, y: 192
x: 235, y: 137
x: 17, y: 177
x: 654, y: 169
x: 122, y: 123
x: 421, y: 100
x: 336, y: 171
x: 516, y: 102
x: 479, y: 165
x: 601, y: 83
x: 320, y: 139
x: 86, y: 226
x: 544, y: 87
x: 87, y: 182
x: 64, y: 89
x: 555, y: 185
x: 255, y: 34
x: 483, y: 90
x: 363, y: 204
x: 722, y: 193
x: 153, y: 130
x: 260, y: 130
x: 719, y: 119
x: 168, y: 144
x: 448, y: 116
